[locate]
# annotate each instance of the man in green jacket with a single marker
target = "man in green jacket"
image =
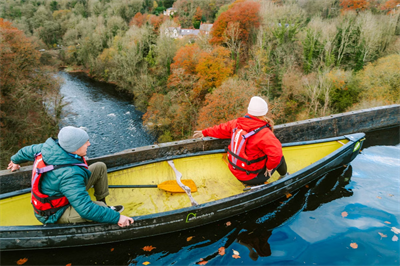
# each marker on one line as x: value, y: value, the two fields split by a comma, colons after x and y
x: 72, y: 181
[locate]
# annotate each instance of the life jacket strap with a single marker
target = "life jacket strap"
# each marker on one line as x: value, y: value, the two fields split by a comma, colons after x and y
x: 246, y: 161
x: 244, y: 170
x: 49, y: 212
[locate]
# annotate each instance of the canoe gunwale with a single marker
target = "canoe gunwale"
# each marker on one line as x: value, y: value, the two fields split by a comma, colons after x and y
x: 53, y: 235
x: 162, y: 159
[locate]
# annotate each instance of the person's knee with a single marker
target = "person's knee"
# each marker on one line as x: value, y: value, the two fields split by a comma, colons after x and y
x: 100, y: 166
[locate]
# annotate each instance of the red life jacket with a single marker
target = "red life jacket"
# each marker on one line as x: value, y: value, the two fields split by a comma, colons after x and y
x: 237, y: 156
x: 43, y: 204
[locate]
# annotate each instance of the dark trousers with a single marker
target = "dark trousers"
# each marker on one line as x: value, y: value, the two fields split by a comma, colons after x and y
x: 261, y: 178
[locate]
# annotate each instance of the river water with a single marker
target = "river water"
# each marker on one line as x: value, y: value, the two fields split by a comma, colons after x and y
x: 348, y: 217
x: 109, y: 117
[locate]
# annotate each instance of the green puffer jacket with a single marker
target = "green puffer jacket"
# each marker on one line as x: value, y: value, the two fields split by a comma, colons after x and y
x: 68, y: 181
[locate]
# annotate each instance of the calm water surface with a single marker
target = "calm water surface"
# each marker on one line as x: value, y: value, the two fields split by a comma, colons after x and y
x: 358, y: 205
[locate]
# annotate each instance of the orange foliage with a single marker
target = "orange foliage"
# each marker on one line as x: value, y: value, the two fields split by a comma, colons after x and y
x: 187, y: 58
x: 156, y: 21
x: 356, y: 5
x: 390, y: 6
x: 138, y: 20
x: 246, y: 13
x: 213, y: 68
x: 197, y: 16
x: 18, y: 55
x: 225, y: 103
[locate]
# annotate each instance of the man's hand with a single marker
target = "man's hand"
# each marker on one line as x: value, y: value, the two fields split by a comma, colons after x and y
x: 268, y: 173
x: 124, y: 221
x: 198, y: 134
x: 13, y: 166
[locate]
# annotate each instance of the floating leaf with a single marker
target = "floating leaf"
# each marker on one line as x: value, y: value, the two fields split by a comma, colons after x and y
x: 354, y: 245
x: 288, y: 195
x: 189, y: 238
x: 395, y: 238
x: 22, y: 261
x: 146, y: 263
x: 396, y: 230
x: 221, y: 251
x: 386, y: 222
x: 69, y: 264
x: 391, y: 195
x: 202, y: 262
x: 235, y: 256
x: 228, y: 223
x: 307, y: 186
x: 344, y: 214
x: 382, y: 235
x: 112, y: 249
x: 148, y: 248
x: 235, y: 252
x: 379, y: 197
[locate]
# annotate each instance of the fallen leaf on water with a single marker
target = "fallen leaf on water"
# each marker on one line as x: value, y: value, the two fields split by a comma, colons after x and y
x: 221, y: 251
x: 22, y: 261
x: 288, y: 195
x: 396, y: 230
x: 228, y: 223
x: 386, y: 222
x: 235, y: 252
x: 354, y: 245
x: 146, y: 263
x: 148, y: 248
x: 379, y: 197
x: 189, y: 238
x: 235, y: 256
x: 202, y: 262
x: 69, y: 264
x: 112, y: 249
x: 391, y: 195
x: 382, y: 235
x: 307, y: 186
x: 344, y: 214
x: 395, y: 238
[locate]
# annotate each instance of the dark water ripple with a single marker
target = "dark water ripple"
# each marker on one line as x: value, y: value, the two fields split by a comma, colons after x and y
x: 305, y: 229
x: 110, y: 118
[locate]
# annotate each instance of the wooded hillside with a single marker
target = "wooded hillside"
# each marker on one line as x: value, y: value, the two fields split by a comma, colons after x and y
x: 308, y: 58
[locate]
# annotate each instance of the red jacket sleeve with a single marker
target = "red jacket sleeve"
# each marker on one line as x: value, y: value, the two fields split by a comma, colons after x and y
x: 221, y: 131
x: 271, y: 146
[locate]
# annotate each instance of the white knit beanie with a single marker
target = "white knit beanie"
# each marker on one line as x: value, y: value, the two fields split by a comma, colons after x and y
x: 257, y: 106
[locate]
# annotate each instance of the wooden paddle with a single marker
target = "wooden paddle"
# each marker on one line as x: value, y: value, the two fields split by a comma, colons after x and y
x: 170, y: 186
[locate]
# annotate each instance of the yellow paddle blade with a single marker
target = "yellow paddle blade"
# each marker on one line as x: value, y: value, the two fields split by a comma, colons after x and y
x: 173, y: 186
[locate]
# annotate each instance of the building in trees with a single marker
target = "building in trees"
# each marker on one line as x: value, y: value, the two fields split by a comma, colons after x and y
x: 170, y: 11
x: 179, y: 33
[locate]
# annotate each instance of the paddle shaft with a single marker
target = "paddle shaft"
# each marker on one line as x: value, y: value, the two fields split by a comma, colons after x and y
x: 133, y: 186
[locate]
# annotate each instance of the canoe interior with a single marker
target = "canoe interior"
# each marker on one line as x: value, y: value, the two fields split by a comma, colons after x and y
x: 210, y: 173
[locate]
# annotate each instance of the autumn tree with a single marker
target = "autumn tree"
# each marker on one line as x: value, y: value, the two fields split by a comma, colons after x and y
x: 26, y: 89
x: 355, y: 5
x: 138, y: 20
x: 213, y: 68
x: 244, y: 13
x: 187, y: 57
x: 391, y: 6
x: 226, y: 102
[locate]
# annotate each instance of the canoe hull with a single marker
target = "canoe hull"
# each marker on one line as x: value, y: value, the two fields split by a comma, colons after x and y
x: 59, y: 236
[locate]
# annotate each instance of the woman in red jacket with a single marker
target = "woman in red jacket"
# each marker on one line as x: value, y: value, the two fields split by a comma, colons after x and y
x: 263, y: 151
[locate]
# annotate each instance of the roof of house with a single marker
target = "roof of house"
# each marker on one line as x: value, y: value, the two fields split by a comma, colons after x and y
x: 185, y: 32
x: 206, y: 27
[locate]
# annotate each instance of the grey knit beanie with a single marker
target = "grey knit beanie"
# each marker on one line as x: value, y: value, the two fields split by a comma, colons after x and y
x: 72, y: 138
